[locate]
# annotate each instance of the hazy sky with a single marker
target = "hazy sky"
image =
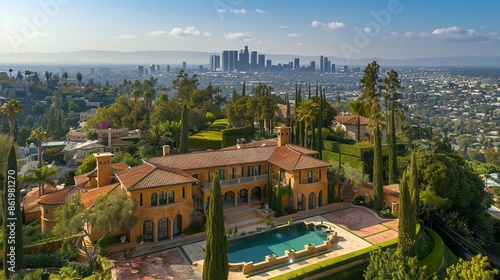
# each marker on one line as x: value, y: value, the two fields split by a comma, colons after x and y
x: 348, y: 28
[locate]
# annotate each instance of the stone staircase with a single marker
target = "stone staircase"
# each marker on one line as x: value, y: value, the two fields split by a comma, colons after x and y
x: 348, y: 194
x: 243, y: 216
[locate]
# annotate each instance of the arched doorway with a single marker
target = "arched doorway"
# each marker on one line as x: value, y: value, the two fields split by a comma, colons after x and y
x: 243, y: 194
x: 163, y: 229
x: 229, y: 196
x: 147, y: 231
x: 320, y: 199
x: 257, y: 193
x: 177, y: 225
x: 311, y: 201
x: 300, y: 202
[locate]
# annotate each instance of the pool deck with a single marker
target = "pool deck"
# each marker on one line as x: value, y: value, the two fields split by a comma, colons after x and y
x: 356, y: 227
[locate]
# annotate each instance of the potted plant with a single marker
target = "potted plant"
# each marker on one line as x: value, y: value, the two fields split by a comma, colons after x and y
x: 269, y: 221
x: 140, y: 238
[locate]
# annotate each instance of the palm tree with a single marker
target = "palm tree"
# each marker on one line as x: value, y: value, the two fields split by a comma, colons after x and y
x: 41, y: 177
x: 358, y: 108
x: 307, y: 112
x: 79, y: 78
x: 136, y: 93
x: 10, y: 72
x: 11, y: 108
x: 65, y: 76
x: 155, y: 137
x: 40, y: 136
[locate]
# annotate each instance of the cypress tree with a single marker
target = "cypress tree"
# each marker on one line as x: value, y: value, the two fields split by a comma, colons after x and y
x: 393, y: 161
x: 287, y: 120
x: 12, y: 219
x: 184, y: 145
x: 378, y: 188
x: 407, y: 226
x: 320, y: 123
x: 215, y: 265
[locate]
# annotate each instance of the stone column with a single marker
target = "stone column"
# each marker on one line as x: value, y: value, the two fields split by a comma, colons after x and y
x: 204, y: 206
x: 171, y: 229
x: 235, y: 200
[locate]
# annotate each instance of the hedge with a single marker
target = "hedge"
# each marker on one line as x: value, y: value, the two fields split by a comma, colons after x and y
x: 336, y: 261
x: 334, y: 159
x: 230, y: 135
x: 433, y: 260
x: 199, y: 143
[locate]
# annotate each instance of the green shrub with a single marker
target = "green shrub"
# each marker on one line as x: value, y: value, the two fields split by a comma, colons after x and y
x: 230, y: 135
x: 196, y: 226
x: 68, y: 272
x: 290, y: 210
x: 386, y: 213
x: 82, y: 269
x: 199, y: 143
x: 45, y: 260
x: 340, y: 140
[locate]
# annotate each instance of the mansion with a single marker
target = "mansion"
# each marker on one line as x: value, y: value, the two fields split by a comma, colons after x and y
x: 171, y: 191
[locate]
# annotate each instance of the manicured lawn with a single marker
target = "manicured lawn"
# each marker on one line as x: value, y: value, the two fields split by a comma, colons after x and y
x: 214, y: 131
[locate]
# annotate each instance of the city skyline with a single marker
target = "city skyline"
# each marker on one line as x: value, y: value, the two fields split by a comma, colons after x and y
x: 396, y: 29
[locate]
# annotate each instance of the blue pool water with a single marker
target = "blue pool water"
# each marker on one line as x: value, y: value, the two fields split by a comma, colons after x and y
x: 256, y: 247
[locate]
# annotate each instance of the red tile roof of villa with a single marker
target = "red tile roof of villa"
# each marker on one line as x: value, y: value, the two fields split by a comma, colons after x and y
x: 352, y: 120
x: 89, y: 198
x: 59, y: 197
x: 289, y: 157
x: 392, y: 190
x: 82, y: 180
x: 209, y: 159
x: 150, y: 175
x: 30, y: 202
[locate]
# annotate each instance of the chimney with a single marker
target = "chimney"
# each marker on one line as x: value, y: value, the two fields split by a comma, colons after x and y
x: 166, y: 150
x: 109, y: 138
x: 283, y: 135
x: 103, y: 168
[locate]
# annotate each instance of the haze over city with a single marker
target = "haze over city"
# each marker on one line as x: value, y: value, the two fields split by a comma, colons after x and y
x: 345, y: 29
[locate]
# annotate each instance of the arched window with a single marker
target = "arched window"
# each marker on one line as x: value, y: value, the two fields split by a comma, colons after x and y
x: 171, y: 196
x: 163, y: 198
x: 154, y: 199
x: 147, y: 230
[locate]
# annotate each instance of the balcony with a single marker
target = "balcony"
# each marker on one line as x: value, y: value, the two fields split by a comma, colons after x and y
x: 237, y: 181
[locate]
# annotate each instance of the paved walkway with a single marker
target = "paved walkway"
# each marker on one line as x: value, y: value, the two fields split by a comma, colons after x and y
x: 357, y: 228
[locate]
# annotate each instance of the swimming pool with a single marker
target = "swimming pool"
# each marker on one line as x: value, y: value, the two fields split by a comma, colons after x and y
x: 255, y: 248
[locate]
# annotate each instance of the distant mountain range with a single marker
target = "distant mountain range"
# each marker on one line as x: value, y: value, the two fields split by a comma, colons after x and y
x: 201, y: 58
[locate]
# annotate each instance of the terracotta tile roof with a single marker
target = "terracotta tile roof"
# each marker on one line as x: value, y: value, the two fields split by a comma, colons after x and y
x: 82, y: 180
x: 392, y: 190
x: 149, y: 175
x: 213, y: 158
x: 30, y: 201
x: 302, y: 150
x: 288, y: 158
x: 352, y: 120
x: 89, y: 198
x: 59, y: 197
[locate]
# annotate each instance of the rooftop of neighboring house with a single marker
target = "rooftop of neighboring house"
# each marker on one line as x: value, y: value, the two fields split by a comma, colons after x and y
x: 351, y: 120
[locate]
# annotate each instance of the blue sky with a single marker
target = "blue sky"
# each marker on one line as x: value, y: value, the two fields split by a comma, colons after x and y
x: 347, y: 28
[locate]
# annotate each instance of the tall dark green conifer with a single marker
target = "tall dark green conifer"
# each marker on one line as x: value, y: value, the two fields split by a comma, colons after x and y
x: 392, y: 84
x: 215, y: 265
x: 320, y: 123
x: 407, y: 226
x: 12, y: 219
x: 243, y: 94
x: 184, y: 145
x: 287, y: 119
x: 378, y: 188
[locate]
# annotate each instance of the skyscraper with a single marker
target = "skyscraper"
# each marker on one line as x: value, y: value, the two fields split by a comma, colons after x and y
x: 296, y: 64
x: 346, y: 69
x: 321, y: 64
x: 326, y: 64
x: 243, y: 62
x: 312, y: 65
x: 140, y: 69
x: 184, y: 65
x: 269, y: 63
x: 225, y: 61
x: 262, y: 61
x: 253, y: 60
x: 214, y: 62
x: 333, y: 68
